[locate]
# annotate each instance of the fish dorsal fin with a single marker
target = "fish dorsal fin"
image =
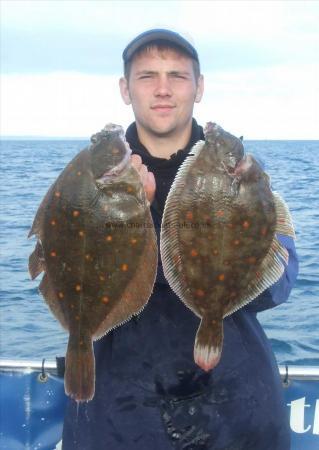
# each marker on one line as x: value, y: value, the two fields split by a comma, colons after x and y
x: 284, y: 223
x: 37, y: 225
x: 169, y: 243
x: 273, y: 265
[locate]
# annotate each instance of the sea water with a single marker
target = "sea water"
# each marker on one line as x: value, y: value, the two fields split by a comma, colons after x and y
x: 28, y: 168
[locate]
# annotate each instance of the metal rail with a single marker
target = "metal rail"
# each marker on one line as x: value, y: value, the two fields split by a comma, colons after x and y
x: 50, y: 366
x: 25, y: 366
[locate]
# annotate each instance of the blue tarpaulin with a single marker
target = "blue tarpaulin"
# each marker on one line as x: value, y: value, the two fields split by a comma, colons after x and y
x: 31, y: 411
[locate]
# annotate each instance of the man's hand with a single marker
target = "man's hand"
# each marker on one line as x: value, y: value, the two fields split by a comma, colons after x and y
x: 147, y: 177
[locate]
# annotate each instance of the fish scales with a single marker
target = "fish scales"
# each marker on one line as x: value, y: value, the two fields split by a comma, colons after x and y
x: 218, y: 241
x: 97, y: 247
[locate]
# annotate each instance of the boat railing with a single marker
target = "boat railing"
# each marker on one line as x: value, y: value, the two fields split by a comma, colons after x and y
x: 56, y: 367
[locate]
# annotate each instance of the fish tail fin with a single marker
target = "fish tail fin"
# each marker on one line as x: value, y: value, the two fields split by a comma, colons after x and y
x: 208, y: 343
x: 79, y: 378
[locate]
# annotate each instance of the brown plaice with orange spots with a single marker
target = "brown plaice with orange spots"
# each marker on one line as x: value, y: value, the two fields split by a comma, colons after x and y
x: 218, y: 239
x: 97, y: 247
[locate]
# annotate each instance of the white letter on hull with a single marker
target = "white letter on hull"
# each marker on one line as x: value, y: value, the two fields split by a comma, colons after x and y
x: 297, y: 415
x: 316, y: 419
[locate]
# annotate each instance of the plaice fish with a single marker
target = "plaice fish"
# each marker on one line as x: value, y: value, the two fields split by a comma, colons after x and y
x: 219, y: 245
x: 97, y: 247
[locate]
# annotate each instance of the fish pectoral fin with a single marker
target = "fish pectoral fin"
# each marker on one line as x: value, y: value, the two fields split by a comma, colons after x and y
x: 208, y: 343
x: 35, y: 229
x: 36, y: 261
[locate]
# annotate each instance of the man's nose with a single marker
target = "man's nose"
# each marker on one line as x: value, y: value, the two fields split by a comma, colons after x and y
x: 163, y: 87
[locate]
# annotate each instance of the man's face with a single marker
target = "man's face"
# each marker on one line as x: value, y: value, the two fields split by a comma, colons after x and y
x: 162, y: 90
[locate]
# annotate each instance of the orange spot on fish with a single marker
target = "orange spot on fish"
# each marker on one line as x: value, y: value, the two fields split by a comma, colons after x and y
x: 236, y: 242
x: 115, y: 151
x: 79, y: 173
x: 78, y: 287
x: 53, y: 222
x: 215, y: 252
x: 76, y: 213
x: 189, y: 215
x: 124, y: 267
x: 246, y: 224
x: 230, y: 225
x: 251, y: 260
x: 77, y: 317
x: 81, y: 343
x: 108, y: 238
x: 219, y: 213
x: 102, y: 278
x: 194, y: 253
x: 129, y: 189
x: 53, y: 254
x: 263, y: 231
x: 105, y: 299
x: 133, y: 241
x: 81, y: 233
x: 200, y: 293
x: 57, y: 194
x: 88, y: 257
x: 61, y: 295
x: 72, y: 306
x: 221, y: 277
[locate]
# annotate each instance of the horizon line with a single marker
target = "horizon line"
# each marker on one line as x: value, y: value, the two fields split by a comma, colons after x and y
x: 86, y: 138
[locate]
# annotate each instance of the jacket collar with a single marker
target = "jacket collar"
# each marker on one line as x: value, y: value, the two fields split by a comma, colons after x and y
x: 154, y: 162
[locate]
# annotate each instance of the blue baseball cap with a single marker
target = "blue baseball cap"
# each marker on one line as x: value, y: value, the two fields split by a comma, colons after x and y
x: 159, y: 34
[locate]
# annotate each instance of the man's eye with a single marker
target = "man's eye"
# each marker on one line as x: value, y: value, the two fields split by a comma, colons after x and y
x: 143, y: 77
x: 179, y: 76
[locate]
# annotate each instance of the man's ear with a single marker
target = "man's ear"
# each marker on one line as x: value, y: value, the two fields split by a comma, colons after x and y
x: 200, y: 89
x: 125, y: 91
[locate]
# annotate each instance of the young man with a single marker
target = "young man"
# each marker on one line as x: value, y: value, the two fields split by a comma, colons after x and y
x: 149, y: 392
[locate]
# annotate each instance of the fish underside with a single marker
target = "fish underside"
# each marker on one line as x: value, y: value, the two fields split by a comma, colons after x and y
x: 218, y: 240
x: 97, y: 248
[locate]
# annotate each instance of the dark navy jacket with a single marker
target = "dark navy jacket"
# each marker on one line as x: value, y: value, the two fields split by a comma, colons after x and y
x: 150, y: 395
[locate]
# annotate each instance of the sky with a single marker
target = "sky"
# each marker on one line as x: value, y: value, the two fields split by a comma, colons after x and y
x: 61, y: 62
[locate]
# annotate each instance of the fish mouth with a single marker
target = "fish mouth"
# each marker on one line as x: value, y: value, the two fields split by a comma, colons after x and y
x: 109, y: 176
x: 232, y: 164
x: 236, y: 161
x: 231, y: 167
